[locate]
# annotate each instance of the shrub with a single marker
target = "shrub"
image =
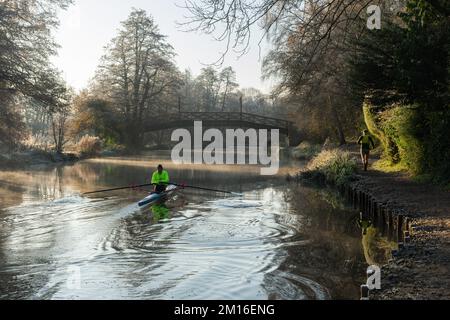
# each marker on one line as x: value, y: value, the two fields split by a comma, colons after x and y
x: 415, y: 138
x: 89, y: 146
x: 373, y: 124
x: 338, y: 167
x: 400, y: 125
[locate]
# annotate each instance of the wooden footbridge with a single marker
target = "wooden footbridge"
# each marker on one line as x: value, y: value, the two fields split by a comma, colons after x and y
x: 218, y: 120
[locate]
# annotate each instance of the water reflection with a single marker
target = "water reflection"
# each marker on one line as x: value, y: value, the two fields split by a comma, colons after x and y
x: 276, y: 242
x: 377, y: 248
x: 160, y: 212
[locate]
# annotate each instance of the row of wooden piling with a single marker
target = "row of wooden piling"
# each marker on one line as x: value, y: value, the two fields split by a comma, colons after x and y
x: 393, y: 224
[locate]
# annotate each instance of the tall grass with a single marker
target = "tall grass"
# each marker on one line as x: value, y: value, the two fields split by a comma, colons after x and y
x: 89, y: 146
x: 336, y: 166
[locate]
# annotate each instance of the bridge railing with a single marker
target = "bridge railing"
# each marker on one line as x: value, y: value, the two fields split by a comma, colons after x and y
x: 219, y: 119
x: 228, y: 116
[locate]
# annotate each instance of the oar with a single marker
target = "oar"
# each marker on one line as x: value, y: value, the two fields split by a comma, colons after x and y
x: 120, y: 188
x: 205, y: 189
x: 171, y: 183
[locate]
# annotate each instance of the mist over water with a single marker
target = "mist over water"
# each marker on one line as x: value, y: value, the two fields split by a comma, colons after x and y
x: 277, y: 241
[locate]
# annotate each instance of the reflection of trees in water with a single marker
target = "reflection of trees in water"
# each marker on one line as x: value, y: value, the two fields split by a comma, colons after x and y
x: 11, y: 194
x: 333, y: 254
x: 377, y: 249
x: 145, y: 242
x: 49, y: 185
x: 82, y: 173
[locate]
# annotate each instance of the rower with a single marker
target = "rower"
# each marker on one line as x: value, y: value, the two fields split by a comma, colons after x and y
x: 160, y: 180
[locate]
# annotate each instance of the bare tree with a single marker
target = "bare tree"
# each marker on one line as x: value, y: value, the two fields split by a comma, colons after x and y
x: 228, y: 76
x: 27, y: 79
x: 232, y: 21
x: 59, y: 123
x: 209, y: 84
x: 136, y: 70
x: 25, y: 47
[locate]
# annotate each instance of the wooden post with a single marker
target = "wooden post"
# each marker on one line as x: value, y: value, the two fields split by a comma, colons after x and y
x: 179, y: 104
x: 407, y: 224
x: 375, y: 214
x: 400, y: 228
x: 407, y: 237
x: 390, y: 225
x: 367, y: 206
x: 360, y: 201
x: 371, y: 206
x: 383, y: 221
x: 354, y: 199
x: 365, y: 292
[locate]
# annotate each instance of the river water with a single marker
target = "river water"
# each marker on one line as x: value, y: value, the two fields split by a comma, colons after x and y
x: 275, y: 241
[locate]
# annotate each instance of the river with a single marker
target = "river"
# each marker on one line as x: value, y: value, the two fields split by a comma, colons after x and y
x: 275, y: 241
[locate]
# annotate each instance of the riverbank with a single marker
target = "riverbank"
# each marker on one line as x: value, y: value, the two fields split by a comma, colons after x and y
x: 421, y: 269
x: 18, y: 160
x: 41, y: 158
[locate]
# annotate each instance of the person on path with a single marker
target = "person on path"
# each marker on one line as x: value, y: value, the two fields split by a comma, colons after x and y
x: 367, y: 144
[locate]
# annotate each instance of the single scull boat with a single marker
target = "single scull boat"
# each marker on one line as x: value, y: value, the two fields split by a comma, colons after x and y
x: 155, y: 198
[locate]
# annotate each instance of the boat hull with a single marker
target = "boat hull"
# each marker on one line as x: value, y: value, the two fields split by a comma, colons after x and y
x: 158, y: 197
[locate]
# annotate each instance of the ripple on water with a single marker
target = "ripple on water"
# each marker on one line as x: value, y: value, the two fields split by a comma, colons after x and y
x: 223, y: 249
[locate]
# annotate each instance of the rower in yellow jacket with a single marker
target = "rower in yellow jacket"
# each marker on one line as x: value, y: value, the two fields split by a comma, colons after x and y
x: 160, y: 179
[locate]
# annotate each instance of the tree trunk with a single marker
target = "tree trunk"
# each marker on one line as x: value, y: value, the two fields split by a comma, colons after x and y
x: 339, y: 128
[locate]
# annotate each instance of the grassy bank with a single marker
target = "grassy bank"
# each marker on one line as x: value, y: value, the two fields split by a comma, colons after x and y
x: 334, y: 167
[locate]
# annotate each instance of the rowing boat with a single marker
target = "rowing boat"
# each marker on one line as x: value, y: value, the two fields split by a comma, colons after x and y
x: 154, y: 198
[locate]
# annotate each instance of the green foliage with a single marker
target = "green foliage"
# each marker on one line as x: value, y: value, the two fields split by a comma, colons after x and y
x: 385, y: 165
x: 338, y: 167
x: 400, y: 125
x: 372, y: 122
x: 405, y: 62
x: 403, y: 71
x: 415, y: 139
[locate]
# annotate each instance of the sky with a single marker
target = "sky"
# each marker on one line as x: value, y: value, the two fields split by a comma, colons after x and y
x: 88, y: 26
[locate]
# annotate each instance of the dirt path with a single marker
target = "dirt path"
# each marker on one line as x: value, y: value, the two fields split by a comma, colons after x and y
x: 422, y: 269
